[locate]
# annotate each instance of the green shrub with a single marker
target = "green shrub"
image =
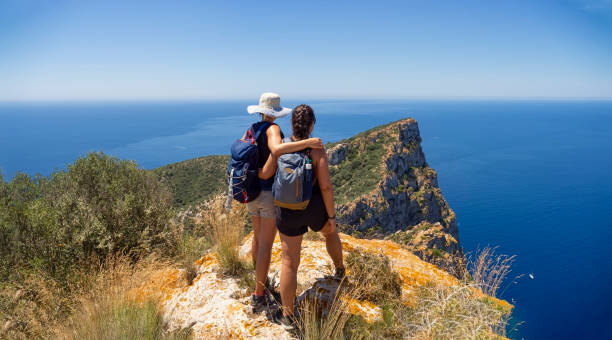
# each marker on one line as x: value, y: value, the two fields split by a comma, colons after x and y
x: 101, y: 205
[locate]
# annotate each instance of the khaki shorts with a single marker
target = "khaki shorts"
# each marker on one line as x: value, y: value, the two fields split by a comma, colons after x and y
x: 263, y: 205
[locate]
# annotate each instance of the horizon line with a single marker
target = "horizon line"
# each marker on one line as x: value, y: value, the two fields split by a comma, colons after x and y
x: 291, y: 98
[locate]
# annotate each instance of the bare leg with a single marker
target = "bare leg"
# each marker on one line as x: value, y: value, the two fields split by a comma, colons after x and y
x: 267, y: 233
x: 255, y: 241
x: 292, y: 245
x: 333, y: 245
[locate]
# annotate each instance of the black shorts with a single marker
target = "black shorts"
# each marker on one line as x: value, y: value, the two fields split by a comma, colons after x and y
x: 296, y: 222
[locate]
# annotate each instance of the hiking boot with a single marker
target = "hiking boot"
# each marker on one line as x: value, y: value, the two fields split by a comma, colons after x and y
x: 259, y: 303
x: 340, y: 273
x: 289, y: 323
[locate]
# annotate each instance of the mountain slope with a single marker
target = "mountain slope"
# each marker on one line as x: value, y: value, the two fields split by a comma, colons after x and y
x: 194, y: 180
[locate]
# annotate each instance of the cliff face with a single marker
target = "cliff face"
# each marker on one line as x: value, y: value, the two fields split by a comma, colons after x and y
x: 387, y: 190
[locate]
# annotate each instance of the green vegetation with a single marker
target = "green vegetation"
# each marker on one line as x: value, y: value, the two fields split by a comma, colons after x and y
x: 406, y: 236
x: 362, y: 134
x: 194, y: 180
x: 98, y: 207
x: 191, y: 246
x: 214, y: 229
x: 56, y: 232
x: 437, y: 252
x: 361, y: 171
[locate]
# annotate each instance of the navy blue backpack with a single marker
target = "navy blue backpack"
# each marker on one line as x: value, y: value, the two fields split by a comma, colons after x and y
x: 242, y: 179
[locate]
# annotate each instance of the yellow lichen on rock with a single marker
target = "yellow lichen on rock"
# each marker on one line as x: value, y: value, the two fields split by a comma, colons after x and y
x: 215, y: 305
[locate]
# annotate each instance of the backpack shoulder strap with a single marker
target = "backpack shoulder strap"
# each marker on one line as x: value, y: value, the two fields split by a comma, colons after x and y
x: 264, y: 126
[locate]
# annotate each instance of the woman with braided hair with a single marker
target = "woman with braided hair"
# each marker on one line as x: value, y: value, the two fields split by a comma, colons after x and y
x: 262, y: 209
x: 319, y: 216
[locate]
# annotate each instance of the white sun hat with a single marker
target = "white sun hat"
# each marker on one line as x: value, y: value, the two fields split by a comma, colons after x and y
x: 269, y: 104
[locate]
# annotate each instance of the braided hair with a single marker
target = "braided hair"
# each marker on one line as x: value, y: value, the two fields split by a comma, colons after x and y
x: 301, y: 119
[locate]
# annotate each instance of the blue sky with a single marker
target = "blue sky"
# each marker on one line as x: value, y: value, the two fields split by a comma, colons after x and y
x: 86, y: 50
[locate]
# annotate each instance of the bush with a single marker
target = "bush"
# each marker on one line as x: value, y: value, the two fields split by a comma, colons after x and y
x: 55, y: 231
x: 119, y: 206
x: 101, y: 205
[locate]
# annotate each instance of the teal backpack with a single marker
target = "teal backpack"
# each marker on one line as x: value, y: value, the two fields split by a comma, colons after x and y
x: 292, y: 188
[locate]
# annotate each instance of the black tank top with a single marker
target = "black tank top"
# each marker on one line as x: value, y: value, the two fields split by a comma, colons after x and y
x: 264, y: 153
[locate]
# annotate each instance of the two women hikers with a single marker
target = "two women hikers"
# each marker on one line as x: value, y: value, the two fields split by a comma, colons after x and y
x: 318, y: 214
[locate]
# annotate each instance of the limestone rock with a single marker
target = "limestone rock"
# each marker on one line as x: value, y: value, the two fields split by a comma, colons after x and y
x: 407, y: 194
x: 337, y: 154
x: 215, y: 306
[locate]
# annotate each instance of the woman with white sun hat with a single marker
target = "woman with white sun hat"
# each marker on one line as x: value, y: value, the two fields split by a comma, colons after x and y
x: 261, y: 209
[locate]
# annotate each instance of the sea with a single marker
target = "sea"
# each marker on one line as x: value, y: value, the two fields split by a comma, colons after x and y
x: 532, y: 178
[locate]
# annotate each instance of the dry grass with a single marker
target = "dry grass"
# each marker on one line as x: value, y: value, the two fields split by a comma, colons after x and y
x: 371, y: 279
x: 442, y: 312
x: 437, y: 312
x: 315, y: 326
x: 489, y: 270
x: 191, y: 244
x: 225, y: 231
x: 107, y: 311
x: 210, y: 227
x: 313, y: 236
x: 29, y: 308
x: 459, y: 312
x: 375, y: 279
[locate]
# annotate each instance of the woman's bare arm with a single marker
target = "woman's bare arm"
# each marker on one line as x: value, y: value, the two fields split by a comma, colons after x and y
x: 278, y: 148
x: 319, y: 159
x: 269, y: 169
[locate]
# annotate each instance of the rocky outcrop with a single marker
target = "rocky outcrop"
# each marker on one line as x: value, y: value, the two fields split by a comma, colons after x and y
x: 337, y: 153
x: 217, y: 306
x: 400, y: 197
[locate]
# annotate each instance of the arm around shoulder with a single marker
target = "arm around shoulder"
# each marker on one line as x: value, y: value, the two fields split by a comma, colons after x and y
x: 278, y: 148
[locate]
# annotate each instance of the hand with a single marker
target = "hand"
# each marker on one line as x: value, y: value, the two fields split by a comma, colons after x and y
x: 315, y: 143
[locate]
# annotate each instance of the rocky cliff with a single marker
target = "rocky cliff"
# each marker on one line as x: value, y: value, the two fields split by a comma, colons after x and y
x: 385, y: 189
x: 216, y: 306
